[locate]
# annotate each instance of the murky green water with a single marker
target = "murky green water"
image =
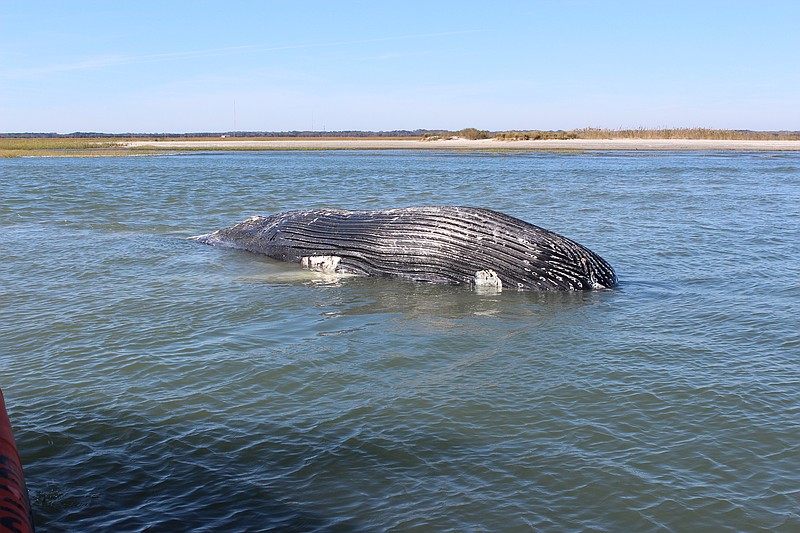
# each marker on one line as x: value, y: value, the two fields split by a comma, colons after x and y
x: 157, y: 384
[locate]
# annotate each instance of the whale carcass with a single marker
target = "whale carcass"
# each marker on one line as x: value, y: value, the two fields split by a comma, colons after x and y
x: 437, y: 244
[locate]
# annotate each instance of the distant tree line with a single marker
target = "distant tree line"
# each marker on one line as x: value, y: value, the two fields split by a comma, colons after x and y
x: 431, y: 135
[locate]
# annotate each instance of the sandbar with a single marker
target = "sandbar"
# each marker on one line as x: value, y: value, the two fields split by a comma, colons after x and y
x: 466, y: 144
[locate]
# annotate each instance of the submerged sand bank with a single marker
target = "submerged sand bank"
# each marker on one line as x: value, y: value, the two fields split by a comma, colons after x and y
x: 464, y: 144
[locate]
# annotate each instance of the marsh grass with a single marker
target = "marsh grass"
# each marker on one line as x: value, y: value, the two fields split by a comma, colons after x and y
x: 20, y: 147
x: 650, y: 134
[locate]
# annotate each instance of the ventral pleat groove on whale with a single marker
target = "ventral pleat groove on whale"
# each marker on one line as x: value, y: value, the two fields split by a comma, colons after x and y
x: 434, y: 244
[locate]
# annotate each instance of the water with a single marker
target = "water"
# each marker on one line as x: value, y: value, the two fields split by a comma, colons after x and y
x: 157, y: 384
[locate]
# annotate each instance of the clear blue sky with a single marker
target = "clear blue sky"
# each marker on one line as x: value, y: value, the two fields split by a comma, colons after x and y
x: 187, y: 66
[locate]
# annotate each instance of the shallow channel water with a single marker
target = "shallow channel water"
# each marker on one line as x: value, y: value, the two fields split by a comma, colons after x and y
x: 158, y: 384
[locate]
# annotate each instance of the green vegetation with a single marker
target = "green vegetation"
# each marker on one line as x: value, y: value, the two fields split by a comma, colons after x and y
x: 473, y: 134
x: 17, y: 147
x: 467, y: 133
x: 535, y: 135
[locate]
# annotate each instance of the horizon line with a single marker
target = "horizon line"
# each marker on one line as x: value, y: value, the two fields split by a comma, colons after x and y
x: 316, y: 132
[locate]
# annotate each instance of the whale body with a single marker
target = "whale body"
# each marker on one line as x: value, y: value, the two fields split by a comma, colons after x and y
x: 436, y: 244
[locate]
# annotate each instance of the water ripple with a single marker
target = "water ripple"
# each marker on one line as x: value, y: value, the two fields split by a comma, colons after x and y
x: 157, y: 384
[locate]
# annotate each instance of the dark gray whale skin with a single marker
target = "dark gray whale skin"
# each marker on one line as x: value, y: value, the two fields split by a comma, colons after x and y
x: 455, y: 245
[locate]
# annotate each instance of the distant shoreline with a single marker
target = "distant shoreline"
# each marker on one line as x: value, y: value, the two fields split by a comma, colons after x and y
x: 467, y: 144
x: 103, y: 147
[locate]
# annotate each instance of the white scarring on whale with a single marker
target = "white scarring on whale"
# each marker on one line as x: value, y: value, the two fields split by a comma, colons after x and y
x: 321, y: 263
x: 488, y: 279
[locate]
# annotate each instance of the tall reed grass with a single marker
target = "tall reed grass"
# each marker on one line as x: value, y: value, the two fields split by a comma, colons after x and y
x: 659, y: 133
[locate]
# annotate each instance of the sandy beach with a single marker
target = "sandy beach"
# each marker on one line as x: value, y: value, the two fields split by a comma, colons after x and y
x: 465, y: 144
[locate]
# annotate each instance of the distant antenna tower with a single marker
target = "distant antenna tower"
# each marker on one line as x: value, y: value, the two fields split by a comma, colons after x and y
x: 234, y: 118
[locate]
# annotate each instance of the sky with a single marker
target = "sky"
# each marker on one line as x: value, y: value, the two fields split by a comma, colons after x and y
x: 177, y: 66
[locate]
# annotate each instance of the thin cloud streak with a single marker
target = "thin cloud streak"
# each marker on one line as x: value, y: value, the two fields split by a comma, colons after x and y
x: 102, y: 62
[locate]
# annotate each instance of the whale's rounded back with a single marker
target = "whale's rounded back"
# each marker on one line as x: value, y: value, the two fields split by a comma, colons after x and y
x: 437, y: 244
